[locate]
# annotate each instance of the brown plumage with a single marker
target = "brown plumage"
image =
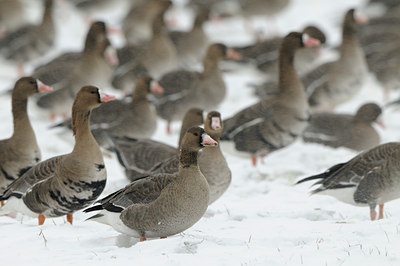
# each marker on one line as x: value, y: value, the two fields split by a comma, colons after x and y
x: 161, y: 205
x: 20, y: 152
x: 67, y: 183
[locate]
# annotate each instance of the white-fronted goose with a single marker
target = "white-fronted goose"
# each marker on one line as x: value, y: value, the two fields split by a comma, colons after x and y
x: 161, y: 205
x: 340, y: 130
x: 265, y: 55
x: 156, y: 57
x: 134, y: 119
x: 61, y: 67
x: 92, y: 68
x: 277, y: 121
x: 186, y: 89
x: 67, y: 183
x: 212, y: 162
x: 369, y: 179
x: 336, y: 82
x: 20, y: 152
x: 137, y: 23
x: 138, y: 156
x: 31, y: 41
x: 122, y: 118
x: 192, y: 45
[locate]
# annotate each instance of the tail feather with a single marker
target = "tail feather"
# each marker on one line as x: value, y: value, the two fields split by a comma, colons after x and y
x: 93, y: 208
x: 324, y: 175
x: 94, y: 217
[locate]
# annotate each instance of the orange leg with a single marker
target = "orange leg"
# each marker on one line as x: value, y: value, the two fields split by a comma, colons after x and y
x: 142, y: 238
x: 52, y: 117
x: 1, y: 203
x: 69, y: 218
x: 254, y: 160
x: 380, y: 211
x: 41, y: 219
x: 372, y: 215
x: 168, y: 128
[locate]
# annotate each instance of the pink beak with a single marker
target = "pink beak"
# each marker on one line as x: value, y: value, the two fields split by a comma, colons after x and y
x: 114, y: 30
x: 215, y: 123
x: 361, y: 18
x: 156, y: 88
x: 208, y: 141
x: 232, y: 54
x: 42, y: 87
x: 309, y: 42
x: 106, y: 97
x: 380, y: 123
x: 111, y: 56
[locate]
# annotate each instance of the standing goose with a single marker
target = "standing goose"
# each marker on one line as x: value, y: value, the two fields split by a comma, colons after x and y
x: 212, y: 162
x: 339, y: 130
x: 192, y: 45
x: 92, y: 68
x: 62, y: 66
x: 20, y: 152
x: 155, y: 57
x: 31, y: 41
x: 161, y: 205
x: 122, y: 118
x: 67, y: 183
x: 369, y: 179
x: 336, y: 82
x: 138, y: 156
x: 135, y: 119
x: 185, y: 89
x: 137, y: 23
x: 277, y: 121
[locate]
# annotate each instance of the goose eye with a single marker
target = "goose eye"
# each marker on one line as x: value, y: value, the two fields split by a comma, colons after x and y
x: 196, y: 134
x: 93, y: 92
x: 32, y: 81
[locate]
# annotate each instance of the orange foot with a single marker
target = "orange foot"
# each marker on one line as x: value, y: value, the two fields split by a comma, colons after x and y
x: 372, y: 215
x: 142, y: 238
x: 168, y: 129
x: 1, y: 203
x: 380, y: 211
x: 254, y: 160
x: 69, y: 218
x: 41, y: 219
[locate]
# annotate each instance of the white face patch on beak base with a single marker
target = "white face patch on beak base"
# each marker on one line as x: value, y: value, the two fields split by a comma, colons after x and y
x: 43, y: 87
x: 215, y: 123
x: 309, y: 41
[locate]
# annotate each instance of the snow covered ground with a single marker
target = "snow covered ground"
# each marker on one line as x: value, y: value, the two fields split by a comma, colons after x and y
x: 263, y: 219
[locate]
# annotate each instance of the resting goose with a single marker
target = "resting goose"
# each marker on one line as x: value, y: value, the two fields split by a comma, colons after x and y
x: 67, y: 183
x: 31, y: 41
x: 369, y: 179
x: 336, y: 82
x: 186, y: 89
x: 212, y: 162
x: 138, y: 156
x: 277, y: 121
x: 20, y: 152
x: 340, y: 130
x: 161, y: 205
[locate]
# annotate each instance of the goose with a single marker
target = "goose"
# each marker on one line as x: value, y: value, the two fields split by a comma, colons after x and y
x: 66, y: 183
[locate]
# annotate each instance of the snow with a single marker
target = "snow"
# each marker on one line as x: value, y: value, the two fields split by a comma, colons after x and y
x: 263, y: 219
